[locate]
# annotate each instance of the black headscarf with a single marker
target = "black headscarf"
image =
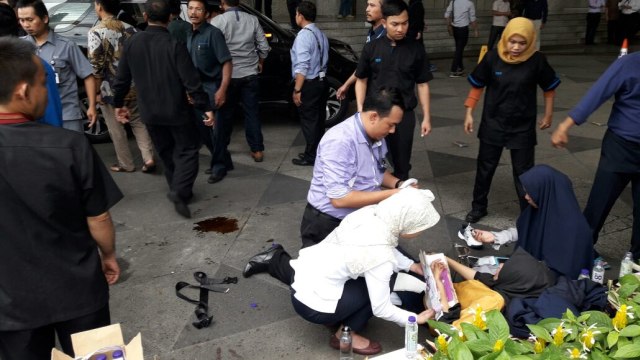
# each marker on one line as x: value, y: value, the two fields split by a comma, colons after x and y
x: 555, y: 232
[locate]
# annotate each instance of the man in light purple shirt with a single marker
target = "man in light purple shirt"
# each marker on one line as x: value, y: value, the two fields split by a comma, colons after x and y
x: 350, y: 169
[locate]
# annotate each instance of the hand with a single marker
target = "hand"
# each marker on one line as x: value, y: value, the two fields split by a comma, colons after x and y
x: 189, y: 99
x: 341, y: 94
x: 559, y: 138
x: 417, y: 268
x: 475, y: 33
x: 220, y: 98
x: 436, y: 268
x: 111, y: 269
x: 297, y: 99
x: 545, y: 122
x: 468, y: 123
x: 260, y: 67
x: 99, y: 99
x: 210, y: 119
x: 425, y: 315
x: 425, y: 128
x: 419, y: 36
x: 483, y: 236
x: 122, y: 115
x: 92, y: 114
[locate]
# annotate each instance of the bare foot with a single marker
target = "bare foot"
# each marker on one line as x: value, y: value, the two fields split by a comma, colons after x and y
x: 484, y: 236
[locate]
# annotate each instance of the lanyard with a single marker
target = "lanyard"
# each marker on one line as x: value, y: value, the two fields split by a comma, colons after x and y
x: 379, y: 161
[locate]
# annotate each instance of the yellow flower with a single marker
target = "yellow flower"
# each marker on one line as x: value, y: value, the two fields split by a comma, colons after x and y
x: 588, y: 337
x: 559, y: 333
x: 498, y: 346
x: 442, y: 344
x: 479, y: 319
x: 539, y: 345
x: 620, y: 320
x: 576, y: 354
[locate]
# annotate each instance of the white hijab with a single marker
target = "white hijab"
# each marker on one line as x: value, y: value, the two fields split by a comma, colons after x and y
x: 369, y: 235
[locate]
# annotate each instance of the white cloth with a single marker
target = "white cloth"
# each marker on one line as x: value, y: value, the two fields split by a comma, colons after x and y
x: 501, y: 6
x: 464, y: 12
x: 596, y: 6
x: 364, y: 245
x: 635, y: 6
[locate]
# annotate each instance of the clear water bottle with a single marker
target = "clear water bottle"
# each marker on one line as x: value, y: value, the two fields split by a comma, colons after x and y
x: 411, y: 337
x: 626, y: 266
x: 346, y: 349
x: 598, y: 273
x: 117, y: 355
x: 584, y: 274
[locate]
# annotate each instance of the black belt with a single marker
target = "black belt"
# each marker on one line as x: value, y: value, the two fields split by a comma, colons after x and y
x: 315, y: 79
x: 202, y: 305
x: 320, y: 214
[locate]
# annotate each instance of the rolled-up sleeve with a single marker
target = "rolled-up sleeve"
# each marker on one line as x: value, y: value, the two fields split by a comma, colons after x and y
x: 302, y: 57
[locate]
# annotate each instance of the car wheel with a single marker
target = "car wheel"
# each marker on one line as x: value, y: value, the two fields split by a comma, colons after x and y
x: 336, y: 109
x: 99, y: 132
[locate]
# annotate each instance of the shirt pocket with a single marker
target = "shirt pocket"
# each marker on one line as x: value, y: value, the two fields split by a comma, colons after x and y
x: 63, y: 69
x: 205, y: 56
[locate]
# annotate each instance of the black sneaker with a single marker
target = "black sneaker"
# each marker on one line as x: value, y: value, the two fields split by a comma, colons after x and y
x: 475, y: 215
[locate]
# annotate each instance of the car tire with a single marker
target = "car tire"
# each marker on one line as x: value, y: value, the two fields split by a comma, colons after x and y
x: 336, y: 109
x: 99, y: 133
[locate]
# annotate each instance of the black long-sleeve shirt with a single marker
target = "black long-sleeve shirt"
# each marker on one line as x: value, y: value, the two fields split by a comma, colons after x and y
x: 536, y: 10
x: 164, y: 74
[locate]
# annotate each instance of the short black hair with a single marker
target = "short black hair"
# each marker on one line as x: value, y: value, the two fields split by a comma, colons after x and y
x: 110, y: 6
x: 174, y: 7
x: 231, y: 2
x: 38, y: 7
x: 204, y: 3
x: 9, y: 25
x: 16, y: 65
x: 382, y: 100
x: 157, y: 11
x: 393, y: 8
x: 308, y: 10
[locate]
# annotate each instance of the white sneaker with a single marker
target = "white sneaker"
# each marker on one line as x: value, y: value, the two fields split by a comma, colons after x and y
x: 466, y: 233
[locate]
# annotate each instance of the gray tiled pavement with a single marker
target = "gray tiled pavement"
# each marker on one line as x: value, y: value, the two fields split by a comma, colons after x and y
x: 157, y: 248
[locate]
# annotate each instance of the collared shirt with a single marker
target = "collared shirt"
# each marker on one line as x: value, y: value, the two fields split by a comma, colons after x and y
x: 346, y: 161
x: 464, y: 13
x: 536, y: 10
x: 69, y: 64
x: 402, y: 66
x: 44, y: 225
x: 635, y: 6
x: 105, y: 42
x: 501, y: 6
x: 376, y: 33
x: 164, y: 75
x: 596, y: 6
x: 245, y: 38
x: 310, y: 52
x: 621, y: 81
x: 208, y: 51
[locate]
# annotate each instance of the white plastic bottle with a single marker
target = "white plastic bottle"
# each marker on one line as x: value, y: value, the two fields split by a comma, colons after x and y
x: 598, y: 273
x: 346, y: 349
x: 626, y: 266
x: 411, y: 337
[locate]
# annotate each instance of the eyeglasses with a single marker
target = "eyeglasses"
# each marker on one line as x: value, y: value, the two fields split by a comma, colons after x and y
x: 196, y: 10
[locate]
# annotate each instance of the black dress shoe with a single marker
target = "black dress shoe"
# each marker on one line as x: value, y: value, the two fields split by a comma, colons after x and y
x: 260, y: 262
x: 302, y: 162
x: 208, y: 171
x: 179, y: 205
x: 217, y: 176
x: 301, y: 155
x: 475, y: 215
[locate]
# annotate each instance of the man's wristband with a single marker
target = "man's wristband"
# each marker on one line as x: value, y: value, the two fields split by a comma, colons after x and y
x: 398, y: 183
x: 297, y: 91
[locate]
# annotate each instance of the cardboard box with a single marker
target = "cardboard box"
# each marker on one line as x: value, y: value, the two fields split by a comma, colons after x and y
x: 87, y: 342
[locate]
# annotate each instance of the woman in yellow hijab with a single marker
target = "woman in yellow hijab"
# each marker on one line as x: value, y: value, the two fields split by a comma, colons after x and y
x: 511, y: 74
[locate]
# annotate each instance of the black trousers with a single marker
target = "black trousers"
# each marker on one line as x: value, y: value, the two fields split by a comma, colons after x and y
x: 178, y: 147
x: 609, y: 184
x: 494, y: 35
x: 593, y: 20
x: 488, y: 159
x: 36, y: 344
x: 316, y: 226
x: 614, y: 33
x: 461, y: 37
x: 400, y: 145
x: 267, y: 7
x: 629, y: 24
x: 312, y: 113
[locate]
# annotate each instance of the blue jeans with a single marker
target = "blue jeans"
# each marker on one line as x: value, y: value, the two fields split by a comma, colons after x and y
x: 345, y: 7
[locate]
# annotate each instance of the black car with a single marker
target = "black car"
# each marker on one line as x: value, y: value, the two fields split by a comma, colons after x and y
x: 74, y: 18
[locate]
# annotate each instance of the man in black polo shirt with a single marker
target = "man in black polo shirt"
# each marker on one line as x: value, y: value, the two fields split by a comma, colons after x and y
x: 397, y: 62
x: 57, y: 241
x: 211, y: 57
x: 163, y: 73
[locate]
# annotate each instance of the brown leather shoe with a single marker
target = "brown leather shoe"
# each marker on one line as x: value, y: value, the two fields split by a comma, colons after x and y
x: 257, y: 156
x: 373, y: 348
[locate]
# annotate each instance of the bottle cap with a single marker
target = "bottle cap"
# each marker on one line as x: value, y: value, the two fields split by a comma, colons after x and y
x: 412, y: 319
x: 346, y: 329
x: 101, y: 357
x: 117, y: 355
x: 585, y: 271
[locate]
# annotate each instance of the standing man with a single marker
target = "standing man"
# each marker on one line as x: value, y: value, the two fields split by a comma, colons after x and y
x: 350, y: 169
x: 57, y: 247
x: 620, y: 153
x: 459, y: 15
x: 501, y: 11
x: 629, y: 17
x: 105, y: 43
x: 374, y: 17
x: 65, y: 58
x: 596, y: 8
x: 309, y: 58
x: 211, y: 57
x: 178, y: 28
x: 536, y: 11
x: 394, y: 60
x: 163, y: 102
x: 249, y: 47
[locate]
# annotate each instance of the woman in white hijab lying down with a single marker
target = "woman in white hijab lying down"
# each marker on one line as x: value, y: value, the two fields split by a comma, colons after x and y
x: 345, y: 278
